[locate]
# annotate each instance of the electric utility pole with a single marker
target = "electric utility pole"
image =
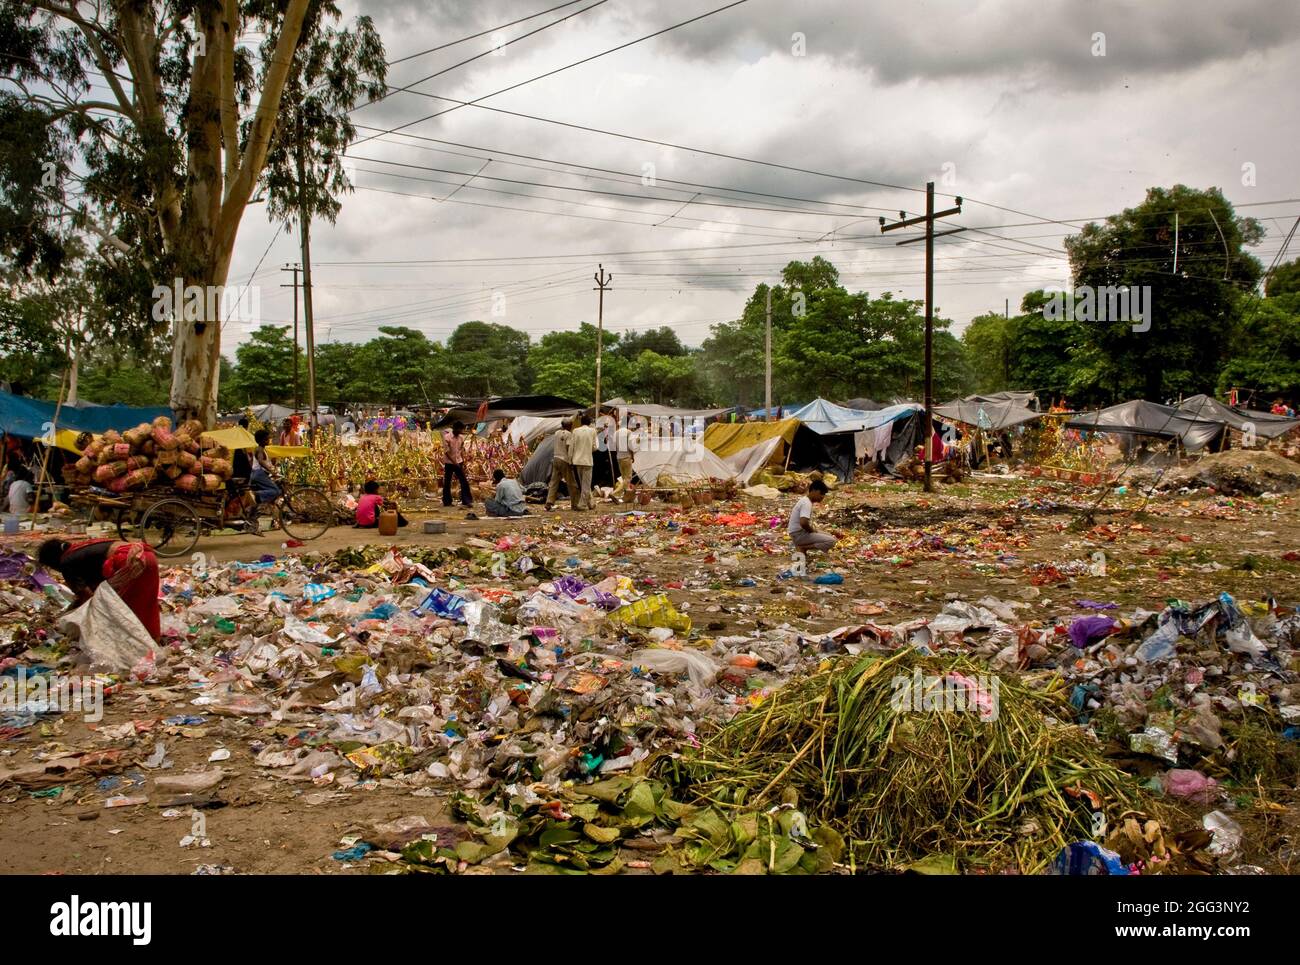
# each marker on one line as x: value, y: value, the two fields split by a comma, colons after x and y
x: 602, y: 286
x: 767, y: 369
x: 304, y: 223
x: 295, y: 269
x: 928, y: 220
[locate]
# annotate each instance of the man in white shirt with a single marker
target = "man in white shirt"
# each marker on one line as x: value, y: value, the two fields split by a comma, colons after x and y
x: 20, y: 492
x: 800, y: 528
x: 623, y: 453
x: 561, y: 467
x: 583, y: 448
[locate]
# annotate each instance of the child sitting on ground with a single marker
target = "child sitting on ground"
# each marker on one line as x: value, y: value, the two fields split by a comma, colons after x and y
x: 368, y: 507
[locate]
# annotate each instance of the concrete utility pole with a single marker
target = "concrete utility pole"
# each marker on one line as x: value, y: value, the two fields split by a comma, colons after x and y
x: 928, y: 220
x: 602, y: 286
x: 295, y: 269
x: 304, y: 223
x: 767, y: 371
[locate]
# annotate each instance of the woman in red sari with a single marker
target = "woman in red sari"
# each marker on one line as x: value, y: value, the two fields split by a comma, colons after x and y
x: 129, y: 567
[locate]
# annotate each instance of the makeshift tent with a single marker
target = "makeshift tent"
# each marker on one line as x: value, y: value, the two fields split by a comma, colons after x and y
x: 1265, y: 425
x: 651, y: 411
x: 864, y: 405
x: 780, y: 411
x: 670, y: 461
x: 471, y: 411
x: 747, y: 447
x: 538, y: 468
x: 30, y: 418
x: 991, y: 416
x: 529, y: 429
x: 1142, y: 418
x: 856, y: 433
x: 1027, y: 399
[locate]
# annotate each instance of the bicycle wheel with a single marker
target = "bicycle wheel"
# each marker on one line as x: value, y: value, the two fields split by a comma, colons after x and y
x: 171, y: 527
x: 306, y: 513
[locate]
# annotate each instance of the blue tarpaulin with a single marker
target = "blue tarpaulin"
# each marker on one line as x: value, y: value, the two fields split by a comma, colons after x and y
x: 827, y: 418
x: 30, y: 418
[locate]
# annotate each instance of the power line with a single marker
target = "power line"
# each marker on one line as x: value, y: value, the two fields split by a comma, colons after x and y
x: 558, y: 70
x: 469, y: 60
x: 481, y: 33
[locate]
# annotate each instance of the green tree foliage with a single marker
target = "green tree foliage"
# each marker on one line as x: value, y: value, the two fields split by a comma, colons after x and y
x: 988, y: 347
x: 487, y: 359
x: 150, y: 127
x: 661, y: 341
x: 1266, y: 353
x: 264, y: 370
x: 1194, y: 312
x: 31, y: 353
x: 1283, y: 280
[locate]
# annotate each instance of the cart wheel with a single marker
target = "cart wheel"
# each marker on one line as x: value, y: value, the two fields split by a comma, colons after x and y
x: 171, y: 527
x: 306, y: 513
x: 126, y: 528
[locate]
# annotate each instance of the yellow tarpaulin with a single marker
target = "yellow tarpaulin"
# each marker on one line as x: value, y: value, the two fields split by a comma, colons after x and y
x: 236, y: 437
x: 728, y: 438
x: 287, y: 452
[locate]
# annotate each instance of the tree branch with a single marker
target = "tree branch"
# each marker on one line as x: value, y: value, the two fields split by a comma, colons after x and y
x: 259, y: 139
x: 229, y: 109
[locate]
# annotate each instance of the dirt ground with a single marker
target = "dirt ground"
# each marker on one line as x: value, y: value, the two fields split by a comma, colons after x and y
x: 902, y: 553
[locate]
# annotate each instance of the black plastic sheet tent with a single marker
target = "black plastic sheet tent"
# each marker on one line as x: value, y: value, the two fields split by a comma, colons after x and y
x: 1265, y: 425
x: 1142, y: 418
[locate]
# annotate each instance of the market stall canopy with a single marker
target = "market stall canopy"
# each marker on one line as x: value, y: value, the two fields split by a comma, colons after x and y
x: 1264, y: 424
x: 472, y: 411
x: 236, y: 437
x: 1142, y: 418
x: 29, y: 418
x: 826, y: 418
x: 986, y: 415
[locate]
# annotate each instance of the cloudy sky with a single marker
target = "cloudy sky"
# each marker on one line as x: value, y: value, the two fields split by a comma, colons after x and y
x: 1041, y: 113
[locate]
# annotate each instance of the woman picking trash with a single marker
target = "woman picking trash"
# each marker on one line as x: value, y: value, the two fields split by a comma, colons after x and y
x: 130, y: 568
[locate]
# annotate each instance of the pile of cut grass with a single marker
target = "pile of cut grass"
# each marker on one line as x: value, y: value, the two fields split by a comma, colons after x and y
x: 878, y: 749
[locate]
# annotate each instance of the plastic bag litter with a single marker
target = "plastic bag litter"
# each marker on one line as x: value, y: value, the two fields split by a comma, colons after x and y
x: 1227, y: 834
x: 1240, y: 639
x: 699, y: 667
x: 112, y: 637
x: 217, y: 606
x: 653, y: 611
x: 1189, y: 785
x: 1160, y: 645
x: 301, y: 632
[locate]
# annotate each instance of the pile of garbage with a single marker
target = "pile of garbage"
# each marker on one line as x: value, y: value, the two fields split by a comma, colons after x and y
x: 1237, y: 472
x: 153, y: 454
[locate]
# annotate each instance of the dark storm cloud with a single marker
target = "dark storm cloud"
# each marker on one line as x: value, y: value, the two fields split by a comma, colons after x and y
x: 1047, y: 41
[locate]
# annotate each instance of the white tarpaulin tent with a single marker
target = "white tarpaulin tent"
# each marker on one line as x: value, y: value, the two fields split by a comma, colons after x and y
x: 746, y: 462
x: 678, y: 461
x: 529, y: 429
